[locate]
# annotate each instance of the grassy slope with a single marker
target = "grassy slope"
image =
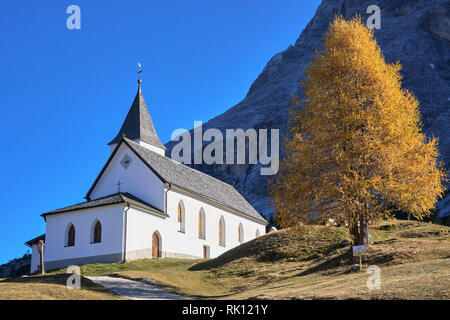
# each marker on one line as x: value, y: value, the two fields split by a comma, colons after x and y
x: 414, y: 259
x: 51, y: 287
x: 306, y: 263
x: 309, y: 263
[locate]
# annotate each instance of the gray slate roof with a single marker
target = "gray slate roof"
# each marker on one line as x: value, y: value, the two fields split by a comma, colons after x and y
x: 138, y: 124
x: 108, y: 200
x: 194, y: 181
x: 34, y: 240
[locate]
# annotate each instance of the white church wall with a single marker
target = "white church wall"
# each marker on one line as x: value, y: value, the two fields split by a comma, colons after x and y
x: 189, y: 241
x: 35, y: 258
x: 141, y: 226
x: 137, y: 180
x: 57, y: 254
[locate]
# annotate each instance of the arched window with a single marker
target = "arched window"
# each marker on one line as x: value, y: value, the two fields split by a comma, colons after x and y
x: 240, y: 233
x: 257, y: 233
x: 222, y: 232
x: 181, y: 217
x: 201, y: 224
x: 70, y: 236
x: 96, y: 232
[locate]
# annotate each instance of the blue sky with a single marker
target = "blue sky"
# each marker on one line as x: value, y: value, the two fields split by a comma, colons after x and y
x: 64, y: 93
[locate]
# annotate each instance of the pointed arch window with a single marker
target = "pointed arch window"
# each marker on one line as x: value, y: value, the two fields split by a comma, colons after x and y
x: 181, y: 217
x: 240, y: 233
x: 70, y: 236
x: 222, y: 232
x: 97, y: 232
x: 201, y: 225
x: 257, y: 234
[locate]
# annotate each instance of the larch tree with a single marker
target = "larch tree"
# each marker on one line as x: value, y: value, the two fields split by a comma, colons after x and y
x: 356, y: 151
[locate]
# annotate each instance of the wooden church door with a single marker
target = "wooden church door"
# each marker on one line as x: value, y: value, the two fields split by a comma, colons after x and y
x: 155, y: 246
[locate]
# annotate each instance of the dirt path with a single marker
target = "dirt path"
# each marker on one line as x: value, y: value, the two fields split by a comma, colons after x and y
x: 136, y: 290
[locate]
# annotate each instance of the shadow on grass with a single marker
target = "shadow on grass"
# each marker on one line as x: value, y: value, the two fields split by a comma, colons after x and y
x: 57, y: 279
x: 49, y: 279
x: 334, y: 262
x: 294, y: 244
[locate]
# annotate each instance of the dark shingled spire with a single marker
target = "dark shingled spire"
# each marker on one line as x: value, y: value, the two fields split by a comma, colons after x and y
x: 138, y: 124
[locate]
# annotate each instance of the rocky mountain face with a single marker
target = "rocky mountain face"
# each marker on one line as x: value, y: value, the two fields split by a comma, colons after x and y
x: 16, y: 267
x: 414, y: 32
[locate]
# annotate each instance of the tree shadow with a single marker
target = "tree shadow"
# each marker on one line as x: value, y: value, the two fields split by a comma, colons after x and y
x: 57, y: 279
x: 328, y: 264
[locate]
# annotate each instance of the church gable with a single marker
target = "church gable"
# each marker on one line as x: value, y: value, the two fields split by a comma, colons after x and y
x: 126, y: 172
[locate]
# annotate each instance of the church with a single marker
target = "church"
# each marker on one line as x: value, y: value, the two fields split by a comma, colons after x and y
x: 143, y: 204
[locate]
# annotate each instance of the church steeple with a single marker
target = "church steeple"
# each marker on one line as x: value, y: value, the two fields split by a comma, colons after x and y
x: 138, y: 126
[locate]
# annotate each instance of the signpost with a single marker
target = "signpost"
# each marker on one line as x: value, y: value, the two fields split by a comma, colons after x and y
x: 359, y: 251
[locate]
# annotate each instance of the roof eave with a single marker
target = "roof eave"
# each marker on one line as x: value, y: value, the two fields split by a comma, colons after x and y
x: 246, y: 215
x: 124, y: 199
x: 77, y: 209
x: 30, y: 243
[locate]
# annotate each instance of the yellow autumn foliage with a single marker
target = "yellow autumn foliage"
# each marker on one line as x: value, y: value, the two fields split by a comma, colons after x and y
x: 356, y: 150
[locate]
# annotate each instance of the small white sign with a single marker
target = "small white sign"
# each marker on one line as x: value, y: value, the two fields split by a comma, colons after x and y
x: 359, y: 248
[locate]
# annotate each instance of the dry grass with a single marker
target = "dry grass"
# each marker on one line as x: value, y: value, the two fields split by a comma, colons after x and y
x: 173, y: 274
x: 299, y: 244
x: 238, y: 269
x: 311, y: 262
x: 419, y: 280
x: 51, y: 287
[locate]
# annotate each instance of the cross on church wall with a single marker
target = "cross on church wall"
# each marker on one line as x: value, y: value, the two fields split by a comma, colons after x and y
x: 118, y: 186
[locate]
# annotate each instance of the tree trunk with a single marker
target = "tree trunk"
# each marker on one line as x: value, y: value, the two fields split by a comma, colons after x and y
x: 354, y: 233
x: 363, y: 231
x: 359, y: 236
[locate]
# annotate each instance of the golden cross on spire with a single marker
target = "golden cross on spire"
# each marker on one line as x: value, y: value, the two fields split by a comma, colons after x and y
x: 139, y: 73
